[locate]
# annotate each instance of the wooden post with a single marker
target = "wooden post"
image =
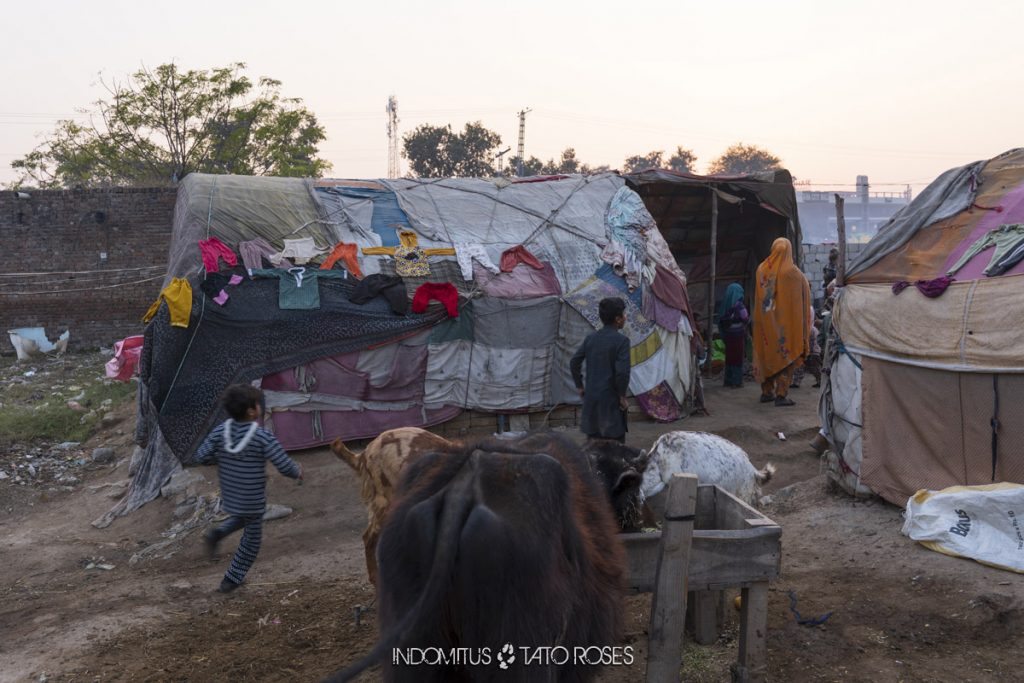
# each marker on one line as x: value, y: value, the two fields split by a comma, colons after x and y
x: 752, y: 665
x: 841, y: 228
x: 668, y: 604
x: 705, y: 616
x: 714, y: 273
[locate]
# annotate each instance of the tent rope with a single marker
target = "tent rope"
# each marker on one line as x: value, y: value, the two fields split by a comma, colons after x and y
x: 202, y: 310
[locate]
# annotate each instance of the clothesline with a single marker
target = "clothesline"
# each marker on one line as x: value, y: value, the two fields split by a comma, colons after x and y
x: 85, y: 272
x: 86, y: 289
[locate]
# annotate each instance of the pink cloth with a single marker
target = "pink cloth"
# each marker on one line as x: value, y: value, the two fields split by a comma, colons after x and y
x: 510, y: 258
x: 212, y: 250
x: 523, y: 282
x: 657, y: 310
x: 126, y: 358
x: 669, y: 289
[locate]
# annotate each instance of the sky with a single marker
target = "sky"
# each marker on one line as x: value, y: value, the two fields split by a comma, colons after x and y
x: 899, y: 91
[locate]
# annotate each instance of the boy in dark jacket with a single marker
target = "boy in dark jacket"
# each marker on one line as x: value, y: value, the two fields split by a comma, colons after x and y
x: 241, y: 448
x: 606, y: 353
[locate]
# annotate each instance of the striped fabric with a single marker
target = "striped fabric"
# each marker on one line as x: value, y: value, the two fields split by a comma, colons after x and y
x: 243, y: 475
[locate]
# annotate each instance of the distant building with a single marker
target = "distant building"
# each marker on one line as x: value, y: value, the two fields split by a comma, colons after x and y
x: 865, y: 212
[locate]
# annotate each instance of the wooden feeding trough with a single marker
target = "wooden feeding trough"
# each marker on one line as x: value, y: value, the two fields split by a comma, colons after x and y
x: 710, y: 541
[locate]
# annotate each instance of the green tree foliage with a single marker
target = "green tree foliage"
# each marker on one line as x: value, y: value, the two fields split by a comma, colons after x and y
x: 642, y: 162
x: 741, y: 159
x: 684, y: 160
x: 440, y: 152
x: 164, y: 123
x: 567, y: 164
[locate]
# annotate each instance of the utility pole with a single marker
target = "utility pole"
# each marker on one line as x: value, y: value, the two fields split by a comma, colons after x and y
x: 522, y: 140
x: 501, y: 162
x: 392, y: 112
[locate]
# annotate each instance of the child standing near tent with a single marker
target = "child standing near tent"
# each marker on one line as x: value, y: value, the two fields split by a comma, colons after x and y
x: 240, y: 447
x: 606, y: 353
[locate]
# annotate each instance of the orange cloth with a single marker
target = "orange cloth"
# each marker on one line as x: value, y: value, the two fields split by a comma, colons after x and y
x: 347, y: 254
x: 782, y: 305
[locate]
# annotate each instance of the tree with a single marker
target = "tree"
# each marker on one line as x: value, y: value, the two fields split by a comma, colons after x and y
x: 439, y: 152
x: 642, y: 162
x: 165, y: 123
x: 565, y: 165
x: 684, y: 160
x: 741, y: 159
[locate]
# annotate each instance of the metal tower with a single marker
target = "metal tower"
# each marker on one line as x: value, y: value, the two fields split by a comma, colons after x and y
x: 392, y: 112
x: 501, y: 161
x: 522, y: 140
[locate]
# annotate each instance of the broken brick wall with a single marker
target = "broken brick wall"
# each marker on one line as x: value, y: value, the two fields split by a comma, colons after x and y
x: 89, y: 261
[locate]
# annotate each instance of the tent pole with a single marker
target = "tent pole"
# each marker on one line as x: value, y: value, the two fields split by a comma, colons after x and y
x: 714, y: 268
x: 841, y: 228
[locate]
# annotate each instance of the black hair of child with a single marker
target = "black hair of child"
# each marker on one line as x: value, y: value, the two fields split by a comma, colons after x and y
x: 239, y: 398
x: 611, y: 308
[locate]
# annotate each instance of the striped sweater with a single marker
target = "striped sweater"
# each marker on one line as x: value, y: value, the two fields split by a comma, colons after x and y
x: 241, y: 461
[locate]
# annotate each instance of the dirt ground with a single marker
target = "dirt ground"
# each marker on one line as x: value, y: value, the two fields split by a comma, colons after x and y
x: 899, y: 612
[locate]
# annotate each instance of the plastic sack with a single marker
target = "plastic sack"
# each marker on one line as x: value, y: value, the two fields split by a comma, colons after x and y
x: 983, y: 523
x: 125, y: 362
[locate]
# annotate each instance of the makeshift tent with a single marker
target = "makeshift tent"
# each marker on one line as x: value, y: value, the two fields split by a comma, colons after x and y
x: 752, y: 211
x: 924, y: 380
x: 335, y: 363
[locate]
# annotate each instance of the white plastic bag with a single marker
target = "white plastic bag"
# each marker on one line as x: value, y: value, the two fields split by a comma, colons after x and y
x: 983, y: 523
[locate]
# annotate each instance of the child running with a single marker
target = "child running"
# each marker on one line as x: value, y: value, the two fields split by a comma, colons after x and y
x: 240, y: 447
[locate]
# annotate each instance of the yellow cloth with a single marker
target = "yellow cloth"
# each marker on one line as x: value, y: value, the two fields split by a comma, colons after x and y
x: 178, y: 295
x: 409, y: 240
x: 782, y: 305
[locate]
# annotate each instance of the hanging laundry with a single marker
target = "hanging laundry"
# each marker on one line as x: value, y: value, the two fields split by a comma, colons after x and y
x: 466, y: 253
x: 411, y: 262
x: 390, y: 287
x: 410, y: 258
x: 440, y: 291
x: 300, y: 287
x: 300, y: 251
x: 661, y: 313
x: 178, y: 295
x: 215, y: 284
x: 624, y: 264
x: 516, y: 255
x: 212, y: 250
x: 346, y: 253
x: 1012, y: 258
x: 930, y: 288
x: 254, y: 251
x: 667, y: 287
x: 1005, y: 239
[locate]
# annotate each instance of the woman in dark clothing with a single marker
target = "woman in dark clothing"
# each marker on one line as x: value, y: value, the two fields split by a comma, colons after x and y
x: 732, y: 323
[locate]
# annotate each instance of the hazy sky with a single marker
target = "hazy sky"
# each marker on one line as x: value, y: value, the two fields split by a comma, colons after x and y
x: 899, y: 91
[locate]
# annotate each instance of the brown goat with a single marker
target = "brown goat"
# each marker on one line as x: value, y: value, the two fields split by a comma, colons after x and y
x: 379, y: 468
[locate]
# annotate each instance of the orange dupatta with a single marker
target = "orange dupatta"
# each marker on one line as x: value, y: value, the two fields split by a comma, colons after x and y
x: 782, y: 302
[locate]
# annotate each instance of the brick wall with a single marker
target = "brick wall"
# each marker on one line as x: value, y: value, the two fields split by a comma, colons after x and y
x: 815, y: 258
x: 73, y: 260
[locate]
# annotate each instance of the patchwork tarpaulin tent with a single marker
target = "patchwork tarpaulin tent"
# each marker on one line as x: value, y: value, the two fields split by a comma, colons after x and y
x: 522, y: 264
x: 748, y: 212
x: 924, y: 379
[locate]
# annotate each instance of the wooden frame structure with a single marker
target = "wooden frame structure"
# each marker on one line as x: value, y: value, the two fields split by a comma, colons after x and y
x: 710, y: 541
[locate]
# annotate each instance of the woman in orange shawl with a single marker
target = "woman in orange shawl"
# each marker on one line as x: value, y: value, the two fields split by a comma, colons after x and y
x: 782, y: 304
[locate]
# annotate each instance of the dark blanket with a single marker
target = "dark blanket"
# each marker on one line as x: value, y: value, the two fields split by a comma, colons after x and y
x: 186, y: 370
